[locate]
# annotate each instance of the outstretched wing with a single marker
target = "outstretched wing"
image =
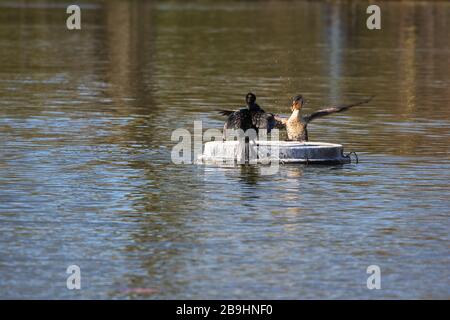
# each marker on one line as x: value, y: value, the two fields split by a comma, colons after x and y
x: 279, y: 123
x: 240, y: 119
x: 243, y: 119
x: 263, y: 120
x: 260, y: 120
x: 226, y: 112
x: 327, y: 111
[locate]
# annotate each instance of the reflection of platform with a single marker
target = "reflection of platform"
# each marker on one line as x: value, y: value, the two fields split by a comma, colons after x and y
x: 284, y: 151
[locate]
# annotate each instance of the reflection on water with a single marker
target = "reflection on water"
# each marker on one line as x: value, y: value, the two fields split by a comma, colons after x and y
x: 85, y: 171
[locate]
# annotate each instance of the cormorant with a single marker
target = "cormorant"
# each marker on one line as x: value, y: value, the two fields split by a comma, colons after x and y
x: 250, y: 117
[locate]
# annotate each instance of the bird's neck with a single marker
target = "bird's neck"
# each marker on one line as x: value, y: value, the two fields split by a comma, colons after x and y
x: 252, y: 107
x: 295, y: 115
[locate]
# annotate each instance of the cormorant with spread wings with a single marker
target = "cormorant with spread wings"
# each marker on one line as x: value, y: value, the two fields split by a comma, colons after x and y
x: 250, y: 117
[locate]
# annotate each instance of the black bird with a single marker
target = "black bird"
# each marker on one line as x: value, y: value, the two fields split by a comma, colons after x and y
x: 249, y: 117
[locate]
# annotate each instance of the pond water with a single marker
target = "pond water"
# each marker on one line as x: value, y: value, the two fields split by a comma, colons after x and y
x: 85, y: 140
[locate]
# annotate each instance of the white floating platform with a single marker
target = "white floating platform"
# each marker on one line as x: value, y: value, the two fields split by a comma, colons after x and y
x: 265, y: 151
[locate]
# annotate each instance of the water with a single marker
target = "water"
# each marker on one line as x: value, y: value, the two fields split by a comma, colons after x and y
x: 85, y: 172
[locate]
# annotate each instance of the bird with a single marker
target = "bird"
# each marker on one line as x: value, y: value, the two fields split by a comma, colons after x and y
x: 296, y: 125
x: 252, y: 116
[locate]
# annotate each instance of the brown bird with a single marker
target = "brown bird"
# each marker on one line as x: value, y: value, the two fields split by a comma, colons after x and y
x: 296, y: 125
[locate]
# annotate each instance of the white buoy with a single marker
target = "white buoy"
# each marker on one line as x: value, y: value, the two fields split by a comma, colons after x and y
x: 283, y: 151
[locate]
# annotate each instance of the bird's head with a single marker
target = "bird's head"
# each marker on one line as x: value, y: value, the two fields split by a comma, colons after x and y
x: 297, y: 102
x: 250, y: 99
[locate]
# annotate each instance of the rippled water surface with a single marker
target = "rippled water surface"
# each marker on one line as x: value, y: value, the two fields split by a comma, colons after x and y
x: 86, y: 178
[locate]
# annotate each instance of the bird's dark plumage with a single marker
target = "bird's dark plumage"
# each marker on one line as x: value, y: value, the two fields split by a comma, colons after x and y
x: 251, y: 117
x: 226, y: 113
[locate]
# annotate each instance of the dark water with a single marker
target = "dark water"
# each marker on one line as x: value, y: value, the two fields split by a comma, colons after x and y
x: 85, y: 172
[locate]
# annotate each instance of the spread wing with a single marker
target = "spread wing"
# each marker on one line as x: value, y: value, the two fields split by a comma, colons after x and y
x: 334, y: 109
x: 226, y: 112
x: 279, y: 123
x: 240, y: 119
x: 260, y: 120
x: 263, y: 120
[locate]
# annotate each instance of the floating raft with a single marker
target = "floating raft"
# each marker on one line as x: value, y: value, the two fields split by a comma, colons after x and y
x: 266, y: 151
